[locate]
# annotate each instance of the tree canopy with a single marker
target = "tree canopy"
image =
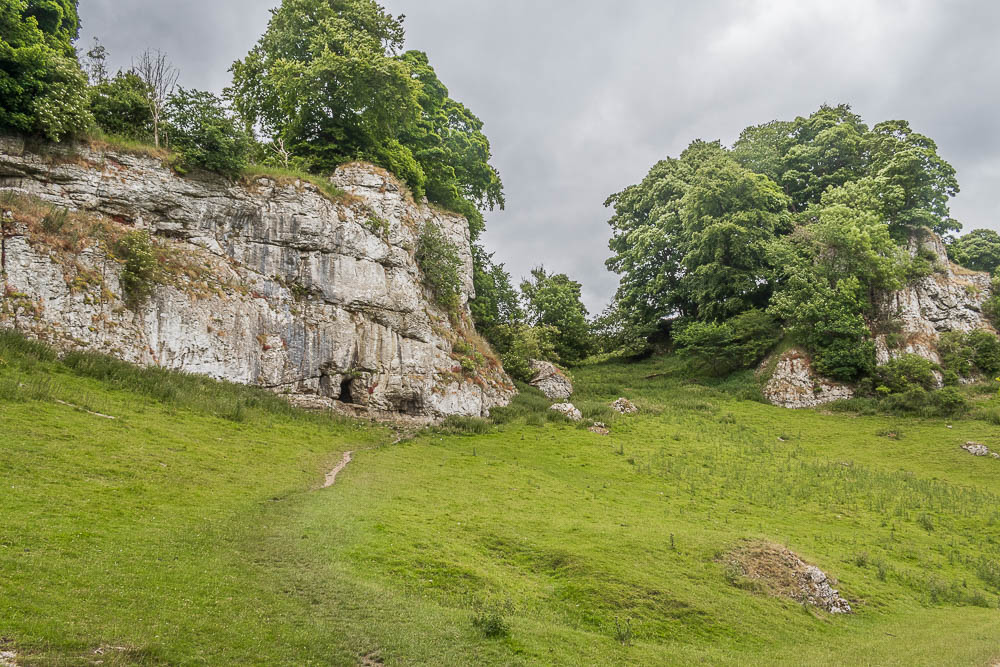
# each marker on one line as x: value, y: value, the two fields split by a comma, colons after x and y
x: 329, y: 82
x: 43, y: 91
x: 801, y: 219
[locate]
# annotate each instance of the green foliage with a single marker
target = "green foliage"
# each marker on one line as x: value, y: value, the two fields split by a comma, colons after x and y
x: 327, y: 85
x: 497, y: 301
x: 518, y: 344
x: 905, y: 373
x: 978, y: 250
x: 807, y: 219
x: 138, y: 273
x: 120, y: 107
x: 966, y: 354
x: 204, y: 135
x: 723, y: 347
x: 441, y: 266
x: 448, y: 143
x: 553, y: 300
x: 43, y: 91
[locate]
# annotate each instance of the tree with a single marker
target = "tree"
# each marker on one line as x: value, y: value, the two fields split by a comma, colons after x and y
x: 42, y: 88
x: 909, y: 162
x: 160, y: 78
x: 978, y: 250
x: 448, y: 143
x: 324, y: 78
x: 729, y: 216
x: 120, y: 106
x: 96, y: 64
x: 497, y: 301
x: 204, y: 134
x: 554, y: 300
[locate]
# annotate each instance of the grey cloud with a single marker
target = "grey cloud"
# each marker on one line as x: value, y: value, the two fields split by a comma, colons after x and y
x: 581, y: 98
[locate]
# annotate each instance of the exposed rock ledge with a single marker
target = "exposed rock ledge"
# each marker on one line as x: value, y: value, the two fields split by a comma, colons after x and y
x: 950, y: 299
x: 291, y: 291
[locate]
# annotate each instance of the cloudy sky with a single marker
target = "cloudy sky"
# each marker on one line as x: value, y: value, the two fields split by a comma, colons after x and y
x: 581, y: 97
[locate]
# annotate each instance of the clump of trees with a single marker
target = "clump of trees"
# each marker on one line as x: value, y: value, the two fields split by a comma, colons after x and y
x: 797, y: 229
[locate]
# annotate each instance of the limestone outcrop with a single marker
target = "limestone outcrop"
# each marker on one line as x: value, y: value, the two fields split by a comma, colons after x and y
x: 794, y: 384
x: 551, y: 381
x: 271, y: 282
x: 913, y: 318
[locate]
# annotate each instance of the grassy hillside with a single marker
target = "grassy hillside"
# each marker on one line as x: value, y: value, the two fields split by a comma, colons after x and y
x: 191, y: 529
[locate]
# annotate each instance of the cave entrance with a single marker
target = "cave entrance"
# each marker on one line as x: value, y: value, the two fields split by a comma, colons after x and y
x: 345, y: 391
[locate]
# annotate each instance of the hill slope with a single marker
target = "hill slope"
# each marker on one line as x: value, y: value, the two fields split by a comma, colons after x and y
x: 192, y: 528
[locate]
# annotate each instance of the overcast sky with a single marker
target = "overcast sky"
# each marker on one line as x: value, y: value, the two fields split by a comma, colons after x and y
x: 580, y: 98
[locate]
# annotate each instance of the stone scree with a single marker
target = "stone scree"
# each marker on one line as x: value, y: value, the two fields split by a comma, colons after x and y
x: 308, y: 296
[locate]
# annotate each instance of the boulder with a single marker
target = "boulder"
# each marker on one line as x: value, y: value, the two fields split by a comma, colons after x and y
x: 624, y: 406
x: 569, y: 410
x: 551, y: 381
x: 793, y: 384
x: 600, y: 428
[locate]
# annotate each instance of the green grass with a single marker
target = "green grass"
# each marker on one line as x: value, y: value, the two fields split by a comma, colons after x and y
x: 291, y: 176
x: 187, y: 531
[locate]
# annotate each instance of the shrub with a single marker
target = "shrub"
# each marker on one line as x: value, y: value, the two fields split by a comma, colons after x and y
x: 137, y: 276
x: 949, y: 401
x: 519, y: 344
x: 907, y: 372
x: 490, y: 616
x: 731, y: 345
x: 438, y: 260
x: 845, y: 359
x: 204, y: 135
x: 120, y: 107
x: 986, y: 351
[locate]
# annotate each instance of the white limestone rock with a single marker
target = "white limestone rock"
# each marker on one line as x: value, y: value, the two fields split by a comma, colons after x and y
x: 569, y: 410
x: 303, y: 295
x: 551, y: 381
x: 793, y: 384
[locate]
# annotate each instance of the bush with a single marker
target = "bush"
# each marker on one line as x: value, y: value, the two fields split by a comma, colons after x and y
x: 731, y: 345
x: 137, y: 276
x: 204, y: 135
x: 950, y: 402
x: 907, y: 372
x: 519, y: 344
x: 43, y: 91
x: 986, y: 351
x: 438, y: 260
x: 845, y: 359
x: 490, y: 616
x: 120, y: 107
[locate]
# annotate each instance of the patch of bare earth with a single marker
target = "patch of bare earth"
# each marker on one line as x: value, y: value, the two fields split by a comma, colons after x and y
x: 776, y: 570
x: 331, y: 477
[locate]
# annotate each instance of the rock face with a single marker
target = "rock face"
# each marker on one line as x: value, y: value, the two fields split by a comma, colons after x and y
x: 267, y: 283
x: 551, y: 381
x: 950, y: 299
x: 793, y: 384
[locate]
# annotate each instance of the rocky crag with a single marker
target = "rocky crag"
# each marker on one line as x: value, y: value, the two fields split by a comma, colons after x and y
x: 951, y: 298
x: 272, y: 281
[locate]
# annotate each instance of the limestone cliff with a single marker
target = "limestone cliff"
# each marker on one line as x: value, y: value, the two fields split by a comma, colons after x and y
x: 949, y: 299
x: 269, y: 282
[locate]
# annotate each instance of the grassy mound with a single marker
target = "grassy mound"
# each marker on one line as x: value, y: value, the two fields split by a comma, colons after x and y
x: 190, y: 528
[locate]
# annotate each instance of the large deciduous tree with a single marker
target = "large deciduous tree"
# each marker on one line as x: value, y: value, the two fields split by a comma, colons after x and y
x: 553, y: 300
x: 978, y: 250
x: 43, y: 91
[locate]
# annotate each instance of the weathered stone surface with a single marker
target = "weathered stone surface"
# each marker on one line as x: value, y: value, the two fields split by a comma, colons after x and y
x: 569, y: 410
x: 783, y: 573
x: 794, y: 384
x: 979, y: 449
x: 301, y: 294
x: 624, y: 406
x: 551, y: 381
x: 950, y: 299
x: 600, y: 428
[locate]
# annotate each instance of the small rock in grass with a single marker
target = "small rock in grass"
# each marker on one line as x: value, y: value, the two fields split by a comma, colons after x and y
x: 569, y: 410
x: 625, y: 406
x: 550, y: 380
x: 600, y: 428
x: 976, y: 449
